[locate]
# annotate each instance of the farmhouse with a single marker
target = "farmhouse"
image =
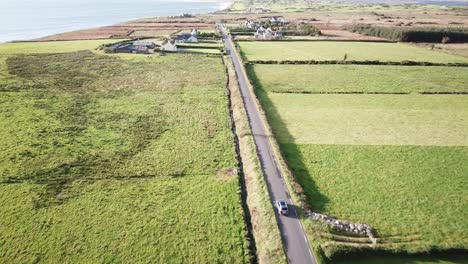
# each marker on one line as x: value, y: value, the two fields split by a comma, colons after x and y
x: 267, y: 33
x: 278, y: 20
x: 149, y: 44
x: 134, y: 47
x: 250, y: 23
x: 187, y: 37
x: 169, y: 45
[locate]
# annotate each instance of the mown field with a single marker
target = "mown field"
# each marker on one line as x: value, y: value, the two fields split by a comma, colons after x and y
x: 361, y: 78
x: 110, y: 160
x: 335, y: 50
x: 370, y: 119
x: 396, y: 162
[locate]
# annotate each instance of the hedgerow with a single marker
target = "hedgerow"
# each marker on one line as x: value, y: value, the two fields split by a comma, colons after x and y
x: 419, y: 34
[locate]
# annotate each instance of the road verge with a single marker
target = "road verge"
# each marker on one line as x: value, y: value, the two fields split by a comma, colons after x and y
x: 294, y: 188
x: 269, y: 248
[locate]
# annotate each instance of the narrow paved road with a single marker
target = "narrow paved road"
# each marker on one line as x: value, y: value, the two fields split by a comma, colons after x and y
x: 293, y: 235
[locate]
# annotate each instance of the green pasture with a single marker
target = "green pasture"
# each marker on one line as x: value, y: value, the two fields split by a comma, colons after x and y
x: 52, y: 46
x: 394, y: 161
x: 111, y: 160
x: 369, y: 119
x: 195, y: 218
x: 414, y: 196
x: 360, y: 78
x: 336, y: 50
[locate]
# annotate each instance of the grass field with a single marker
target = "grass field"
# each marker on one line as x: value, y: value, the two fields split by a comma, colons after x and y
x: 113, y: 160
x: 52, y: 46
x: 360, y: 78
x: 382, y: 160
x: 371, y: 119
x: 185, y: 219
x: 413, y: 195
x: 334, y: 50
x: 396, y: 162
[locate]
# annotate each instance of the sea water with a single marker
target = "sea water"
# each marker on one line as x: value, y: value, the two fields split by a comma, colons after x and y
x: 29, y: 19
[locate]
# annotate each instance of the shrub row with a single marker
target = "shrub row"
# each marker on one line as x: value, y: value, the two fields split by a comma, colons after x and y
x: 366, y: 62
x: 199, y: 47
x: 317, y: 40
x: 421, y: 34
x: 285, y: 33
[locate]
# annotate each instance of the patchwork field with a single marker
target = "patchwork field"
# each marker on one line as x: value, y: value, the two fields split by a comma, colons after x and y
x: 370, y: 119
x: 334, y: 50
x: 415, y: 196
x: 396, y: 162
x: 110, y: 160
x: 361, y: 78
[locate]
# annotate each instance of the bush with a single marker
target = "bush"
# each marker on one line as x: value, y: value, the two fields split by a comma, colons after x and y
x: 208, y: 35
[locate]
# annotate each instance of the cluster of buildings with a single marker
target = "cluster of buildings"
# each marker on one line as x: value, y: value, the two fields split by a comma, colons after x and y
x: 275, y: 20
x: 267, y: 33
x: 147, y: 47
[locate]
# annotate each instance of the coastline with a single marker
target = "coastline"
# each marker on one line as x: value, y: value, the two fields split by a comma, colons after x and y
x: 59, y: 24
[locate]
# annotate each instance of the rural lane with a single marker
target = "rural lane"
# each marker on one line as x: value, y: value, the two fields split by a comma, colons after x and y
x: 292, y: 233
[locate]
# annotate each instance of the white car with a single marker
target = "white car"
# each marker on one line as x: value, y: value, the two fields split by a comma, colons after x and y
x: 282, y: 207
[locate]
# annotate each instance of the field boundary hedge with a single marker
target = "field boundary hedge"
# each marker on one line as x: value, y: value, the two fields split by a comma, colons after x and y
x: 199, y: 47
x: 316, y: 40
x: 365, y: 62
x: 338, y: 92
x: 359, y: 92
x: 416, y: 34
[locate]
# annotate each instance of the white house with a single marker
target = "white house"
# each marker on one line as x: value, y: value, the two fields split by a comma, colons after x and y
x: 267, y: 33
x: 169, y: 45
x: 186, y: 37
x: 250, y: 23
x: 278, y: 20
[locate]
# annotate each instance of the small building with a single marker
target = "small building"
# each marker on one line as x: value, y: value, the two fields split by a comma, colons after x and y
x: 169, y: 45
x: 257, y: 10
x: 275, y: 20
x: 250, y: 23
x: 122, y: 48
x: 149, y: 44
x: 259, y: 33
x: 267, y: 33
x: 186, y: 37
x: 278, y: 35
x: 134, y: 47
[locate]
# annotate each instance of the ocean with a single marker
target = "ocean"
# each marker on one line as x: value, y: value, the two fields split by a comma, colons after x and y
x: 29, y: 19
